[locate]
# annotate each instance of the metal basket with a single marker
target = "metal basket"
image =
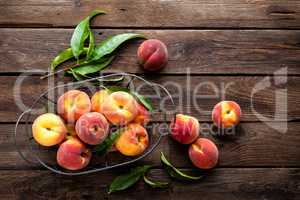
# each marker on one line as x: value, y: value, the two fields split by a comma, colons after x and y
x: 33, y: 153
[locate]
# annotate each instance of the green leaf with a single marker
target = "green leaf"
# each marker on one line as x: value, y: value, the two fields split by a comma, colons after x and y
x: 143, y: 101
x: 113, y: 89
x: 91, y: 44
x: 127, y: 180
x: 174, y: 172
x: 81, y: 33
x: 77, y: 76
x: 155, y: 184
x: 105, y: 146
x: 93, y: 67
x: 64, y: 56
x: 110, y: 44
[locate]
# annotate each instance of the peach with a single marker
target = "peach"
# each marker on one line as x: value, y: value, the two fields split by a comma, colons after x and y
x: 97, y: 100
x: 133, y: 140
x: 185, y: 129
x: 152, y: 55
x: 119, y: 108
x: 226, y: 114
x: 71, y: 132
x: 143, y: 115
x: 204, y: 153
x: 73, y: 154
x: 72, y: 104
x: 48, y: 129
x: 92, y: 128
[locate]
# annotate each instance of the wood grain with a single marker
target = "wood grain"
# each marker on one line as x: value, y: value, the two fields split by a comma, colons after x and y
x: 195, y: 95
x: 202, y: 51
x: 136, y: 13
x: 247, y: 184
x: 251, y: 145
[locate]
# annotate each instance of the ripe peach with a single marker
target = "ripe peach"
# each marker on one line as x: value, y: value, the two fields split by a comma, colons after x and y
x: 143, y: 115
x: 92, y: 128
x: 97, y: 100
x: 72, y: 104
x: 185, y: 129
x: 73, y: 155
x: 49, y: 129
x: 119, y: 108
x: 203, y: 153
x: 152, y: 55
x: 133, y: 140
x: 226, y: 114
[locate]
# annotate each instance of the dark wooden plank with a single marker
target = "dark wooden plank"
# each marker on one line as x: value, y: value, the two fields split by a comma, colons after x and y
x: 247, y: 184
x: 252, y: 145
x: 171, y: 13
x: 203, y: 51
x: 195, y: 95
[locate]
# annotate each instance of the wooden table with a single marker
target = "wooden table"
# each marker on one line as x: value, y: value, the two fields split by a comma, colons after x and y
x: 237, y: 43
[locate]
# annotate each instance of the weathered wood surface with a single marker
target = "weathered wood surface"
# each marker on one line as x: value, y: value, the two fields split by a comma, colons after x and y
x: 247, y: 184
x: 154, y: 13
x: 252, y: 145
x: 202, y: 51
x: 199, y: 95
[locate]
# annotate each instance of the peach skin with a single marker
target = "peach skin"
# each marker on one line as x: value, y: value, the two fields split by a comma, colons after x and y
x: 143, y: 115
x: 73, y: 154
x: 152, y: 55
x: 97, y: 100
x: 92, y: 128
x: 72, y: 104
x: 226, y: 114
x: 185, y: 129
x: 133, y: 140
x: 48, y: 129
x: 204, y: 153
x: 119, y: 108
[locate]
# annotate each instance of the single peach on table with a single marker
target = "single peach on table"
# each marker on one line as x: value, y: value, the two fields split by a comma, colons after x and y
x: 119, y: 108
x: 143, y: 115
x: 185, y: 129
x: 49, y: 129
x: 73, y: 154
x: 92, y: 128
x: 204, y: 153
x: 133, y: 140
x: 72, y: 104
x: 152, y: 55
x: 97, y: 100
x: 226, y: 114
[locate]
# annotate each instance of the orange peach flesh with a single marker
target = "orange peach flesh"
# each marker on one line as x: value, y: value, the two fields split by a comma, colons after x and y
x: 185, y: 129
x: 133, y: 140
x: 73, y: 104
x: 49, y: 129
x: 119, y: 108
x: 203, y: 153
x: 73, y: 155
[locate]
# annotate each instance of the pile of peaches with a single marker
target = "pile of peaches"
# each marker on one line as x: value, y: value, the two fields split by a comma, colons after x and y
x: 203, y: 152
x: 82, y: 122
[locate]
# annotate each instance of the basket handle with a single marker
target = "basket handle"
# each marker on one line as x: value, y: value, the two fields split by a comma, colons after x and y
x: 16, y: 135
